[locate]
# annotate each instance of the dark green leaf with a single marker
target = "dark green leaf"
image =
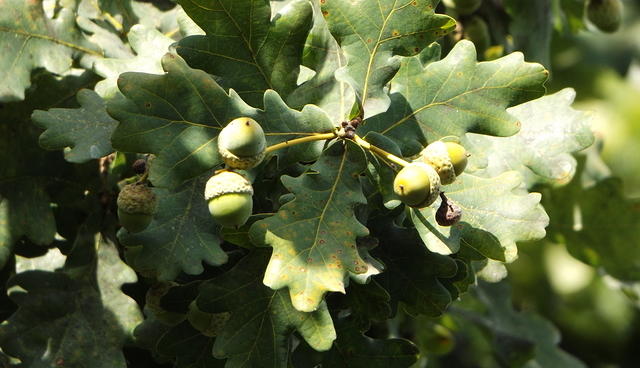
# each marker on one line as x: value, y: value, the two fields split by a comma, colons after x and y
x: 413, y: 275
x: 77, y: 317
x: 181, y: 236
x: 244, y: 46
x: 87, y: 130
x: 262, y: 320
x: 373, y: 33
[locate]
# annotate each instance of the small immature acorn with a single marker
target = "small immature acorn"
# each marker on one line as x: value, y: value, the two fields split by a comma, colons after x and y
x: 605, y: 14
x: 476, y: 30
x: 230, y: 198
x: 463, y: 7
x: 136, y: 206
x: 449, y: 159
x: 417, y: 185
x: 242, y: 143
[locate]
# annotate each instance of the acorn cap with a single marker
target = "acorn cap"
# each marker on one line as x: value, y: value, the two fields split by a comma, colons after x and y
x: 242, y: 163
x: 137, y: 198
x: 437, y: 155
x: 226, y: 182
x: 434, y: 191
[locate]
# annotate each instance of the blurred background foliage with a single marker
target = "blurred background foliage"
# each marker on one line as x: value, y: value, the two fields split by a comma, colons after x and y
x: 598, y: 322
x: 598, y: 316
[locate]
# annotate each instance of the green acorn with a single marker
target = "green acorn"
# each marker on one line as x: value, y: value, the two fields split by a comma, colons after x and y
x: 449, y: 159
x: 476, y: 30
x: 242, y: 143
x: 136, y: 206
x: 605, y: 14
x: 463, y: 7
x: 417, y: 185
x: 230, y: 198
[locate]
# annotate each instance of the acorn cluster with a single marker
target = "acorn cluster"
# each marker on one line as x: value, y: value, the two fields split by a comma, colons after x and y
x: 229, y: 193
x: 418, y: 184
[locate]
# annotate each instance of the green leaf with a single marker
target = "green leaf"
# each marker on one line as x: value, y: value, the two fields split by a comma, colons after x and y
x: 178, y: 116
x: 354, y: 349
x: 262, y: 320
x: 495, y: 215
x: 373, y: 34
x: 77, y: 316
x: 25, y: 208
x: 597, y: 224
x: 169, y: 332
x: 369, y: 302
x: 413, y: 275
x: 30, y: 40
x: 323, y: 55
x: 314, y: 236
x: 541, y: 151
x: 456, y: 95
x: 244, y: 46
x: 181, y: 236
x: 87, y: 130
x: 149, y: 46
x: 517, y: 337
x: 528, y: 15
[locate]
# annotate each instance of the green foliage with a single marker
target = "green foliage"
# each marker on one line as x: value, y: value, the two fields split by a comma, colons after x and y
x: 331, y: 269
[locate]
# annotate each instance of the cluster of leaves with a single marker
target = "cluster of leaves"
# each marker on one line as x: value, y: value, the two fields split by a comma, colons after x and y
x: 330, y: 254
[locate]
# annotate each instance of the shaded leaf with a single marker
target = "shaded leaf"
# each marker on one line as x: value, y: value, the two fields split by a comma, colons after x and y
x: 31, y: 40
x: 314, y: 236
x: 413, y: 275
x: 517, y: 337
x: 372, y: 35
x: 528, y: 15
x: 181, y: 236
x: 25, y: 208
x: 495, y: 215
x: 323, y: 55
x: 87, y: 130
x: 77, y: 316
x: 245, y: 47
x: 597, y: 223
x: 457, y: 95
x: 262, y: 320
x: 354, y: 349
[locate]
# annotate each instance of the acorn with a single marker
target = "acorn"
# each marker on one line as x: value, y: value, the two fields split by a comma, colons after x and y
x: 230, y: 198
x: 136, y: 206
x: 463, y: 7
x: 449, y: 159
x: 242, y: 143
x: 476, y: 30
x: 417, y: 185
x: 605, y: 14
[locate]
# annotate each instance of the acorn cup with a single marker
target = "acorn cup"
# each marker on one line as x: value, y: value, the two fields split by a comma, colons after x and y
x: 136, y: 206
x: 449, y: 159
x: 229, y: 195
x: 242, y: 144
